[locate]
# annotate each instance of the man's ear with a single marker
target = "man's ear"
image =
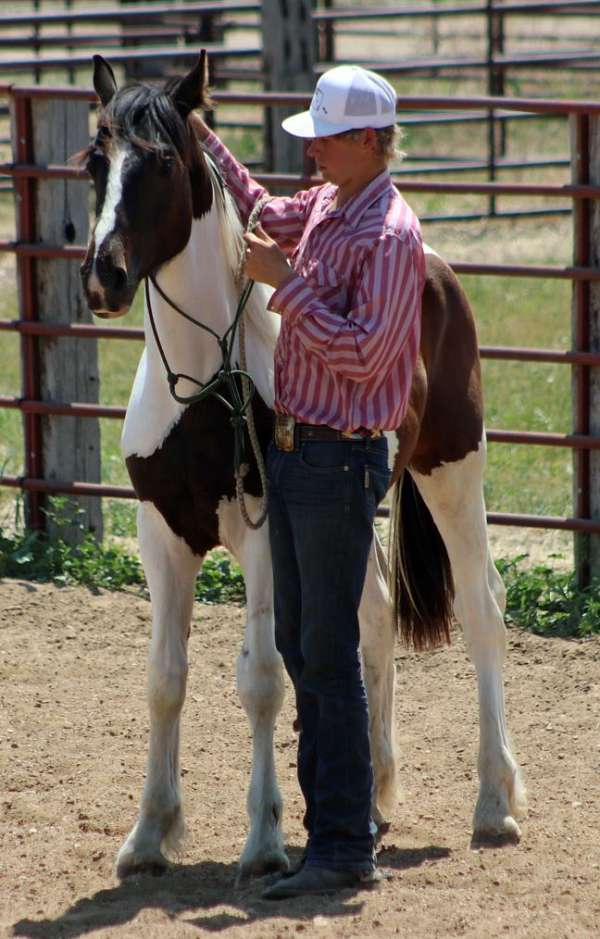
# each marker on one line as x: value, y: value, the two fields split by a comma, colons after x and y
x: 192, y: 91
x: 105, y: 82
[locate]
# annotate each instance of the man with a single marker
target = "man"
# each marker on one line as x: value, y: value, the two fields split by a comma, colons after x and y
x: 347, y: 265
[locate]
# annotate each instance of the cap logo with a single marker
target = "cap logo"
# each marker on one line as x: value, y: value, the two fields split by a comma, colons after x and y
x: 317, y: 103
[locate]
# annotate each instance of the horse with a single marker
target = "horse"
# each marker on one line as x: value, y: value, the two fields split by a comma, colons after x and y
x: 164, y: 216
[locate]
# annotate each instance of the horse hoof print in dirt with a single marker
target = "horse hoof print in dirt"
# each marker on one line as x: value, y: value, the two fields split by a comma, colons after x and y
x: 165, y: 217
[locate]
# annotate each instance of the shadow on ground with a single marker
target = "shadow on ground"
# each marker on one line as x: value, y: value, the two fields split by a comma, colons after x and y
x: 206, y: 886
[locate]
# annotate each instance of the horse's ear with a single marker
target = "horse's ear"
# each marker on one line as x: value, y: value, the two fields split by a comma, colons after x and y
x: 192, y: 91
x: 105, y: 82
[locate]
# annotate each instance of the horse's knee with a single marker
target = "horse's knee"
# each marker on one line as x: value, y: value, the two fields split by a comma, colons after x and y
x: 260, y: 683
x: 166, y: 688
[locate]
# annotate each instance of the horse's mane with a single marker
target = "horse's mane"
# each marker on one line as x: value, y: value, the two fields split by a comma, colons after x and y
x: 145, y: 115
x: 265, y: 323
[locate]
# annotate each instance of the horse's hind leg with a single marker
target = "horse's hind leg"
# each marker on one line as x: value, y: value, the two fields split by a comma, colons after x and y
x: 377, y: 642
x: 261, y: 689
x: 454, y: 496
x: 171, y: 570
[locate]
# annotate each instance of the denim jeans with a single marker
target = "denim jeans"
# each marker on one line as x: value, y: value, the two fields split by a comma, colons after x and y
x: 322, y: 501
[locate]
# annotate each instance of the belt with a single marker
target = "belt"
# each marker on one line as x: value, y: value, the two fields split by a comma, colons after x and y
x: 289, y: 433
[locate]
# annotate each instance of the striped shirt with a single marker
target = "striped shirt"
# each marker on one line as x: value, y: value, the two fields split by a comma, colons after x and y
x: 351, y: 307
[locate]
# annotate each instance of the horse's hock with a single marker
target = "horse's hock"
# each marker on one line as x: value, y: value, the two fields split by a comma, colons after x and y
x: 67, y: 368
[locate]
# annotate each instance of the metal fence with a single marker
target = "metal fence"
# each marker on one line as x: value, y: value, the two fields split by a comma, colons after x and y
x: 158, y: 35
x: 24, y: 174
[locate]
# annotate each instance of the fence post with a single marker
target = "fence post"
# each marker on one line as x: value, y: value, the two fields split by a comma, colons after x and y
x: 289, y: 52
x: 67, y: 368
x: 585, y: 150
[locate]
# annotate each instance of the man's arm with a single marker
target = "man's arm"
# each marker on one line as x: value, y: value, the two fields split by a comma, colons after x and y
x: 283, y: 218
x: 381, y: 327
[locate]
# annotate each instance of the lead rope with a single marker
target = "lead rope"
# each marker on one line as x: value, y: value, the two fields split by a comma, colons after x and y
x: 247, y: 394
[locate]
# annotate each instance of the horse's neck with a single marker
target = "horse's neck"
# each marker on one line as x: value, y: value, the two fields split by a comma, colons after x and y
x: 200, y: 281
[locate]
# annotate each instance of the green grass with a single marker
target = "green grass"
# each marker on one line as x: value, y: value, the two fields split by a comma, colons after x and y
x: 111, y: 566
x: 539, y: 599
x: 549, y: 602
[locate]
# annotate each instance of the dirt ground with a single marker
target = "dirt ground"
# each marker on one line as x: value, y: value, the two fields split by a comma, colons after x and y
x: 73, y: 733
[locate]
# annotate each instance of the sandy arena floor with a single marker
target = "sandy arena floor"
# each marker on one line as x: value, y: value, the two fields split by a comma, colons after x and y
x: 73, y: 732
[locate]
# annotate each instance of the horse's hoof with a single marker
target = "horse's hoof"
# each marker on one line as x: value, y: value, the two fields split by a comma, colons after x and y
x: 506, y: 832
x: 274, y: 863
x: 131, y: 865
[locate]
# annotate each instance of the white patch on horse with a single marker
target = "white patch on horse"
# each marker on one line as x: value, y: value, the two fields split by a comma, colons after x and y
x: 200, y: 279
x: 108, y: 217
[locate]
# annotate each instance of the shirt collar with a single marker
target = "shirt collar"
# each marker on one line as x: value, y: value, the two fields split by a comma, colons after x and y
x: 354, y: 209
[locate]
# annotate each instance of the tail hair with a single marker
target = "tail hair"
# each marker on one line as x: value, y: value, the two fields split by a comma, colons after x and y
x: 421, y: 582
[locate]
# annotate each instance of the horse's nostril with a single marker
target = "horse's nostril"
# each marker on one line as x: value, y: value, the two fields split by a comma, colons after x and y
x: 119, y: 278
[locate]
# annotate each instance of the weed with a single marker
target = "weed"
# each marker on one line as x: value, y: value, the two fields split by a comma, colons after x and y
x: 539, y: 598
x: 35, y: 556
x: 549, y: 602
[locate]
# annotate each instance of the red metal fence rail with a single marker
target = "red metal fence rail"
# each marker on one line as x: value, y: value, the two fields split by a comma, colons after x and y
x: 241, y: 62
x: 581, y: 273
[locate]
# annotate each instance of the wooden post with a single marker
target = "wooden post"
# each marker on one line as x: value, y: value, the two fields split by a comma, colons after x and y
x: 289, y: 52
x: 585, y: 149
x: 68, y: 367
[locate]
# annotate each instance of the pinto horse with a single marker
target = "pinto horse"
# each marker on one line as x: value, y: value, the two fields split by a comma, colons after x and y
x: 164, y: 215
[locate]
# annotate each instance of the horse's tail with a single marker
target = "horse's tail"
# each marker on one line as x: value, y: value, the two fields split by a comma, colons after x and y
x: 421, y: 583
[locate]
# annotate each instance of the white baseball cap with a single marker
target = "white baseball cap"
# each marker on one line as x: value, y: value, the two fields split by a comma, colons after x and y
x: 347, y: 97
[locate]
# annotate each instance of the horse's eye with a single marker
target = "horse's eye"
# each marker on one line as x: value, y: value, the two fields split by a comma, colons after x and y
x: 166, y: 164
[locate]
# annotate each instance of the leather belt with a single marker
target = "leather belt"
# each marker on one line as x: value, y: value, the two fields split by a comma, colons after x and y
x: 289, y: 433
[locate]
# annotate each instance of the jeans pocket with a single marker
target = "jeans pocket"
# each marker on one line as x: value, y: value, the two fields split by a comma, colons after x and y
x: 324, y: 456
x: 379, y: 481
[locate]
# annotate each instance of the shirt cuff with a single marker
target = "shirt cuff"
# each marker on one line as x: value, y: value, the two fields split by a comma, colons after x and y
x: 283, y: 297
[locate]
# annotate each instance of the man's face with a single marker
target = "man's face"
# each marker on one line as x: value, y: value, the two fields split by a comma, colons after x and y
x: 338, y: 157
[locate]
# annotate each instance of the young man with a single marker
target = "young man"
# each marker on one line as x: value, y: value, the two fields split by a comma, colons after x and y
x: 347, y: 265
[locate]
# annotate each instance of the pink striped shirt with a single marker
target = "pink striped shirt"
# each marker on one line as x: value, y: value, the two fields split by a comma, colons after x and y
x: 351, y: 309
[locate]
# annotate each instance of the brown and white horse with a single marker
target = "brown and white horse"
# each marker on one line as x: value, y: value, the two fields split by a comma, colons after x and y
x: 162, y: 211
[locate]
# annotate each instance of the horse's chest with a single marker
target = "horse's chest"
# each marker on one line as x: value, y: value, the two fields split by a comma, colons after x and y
x: 189, y: 474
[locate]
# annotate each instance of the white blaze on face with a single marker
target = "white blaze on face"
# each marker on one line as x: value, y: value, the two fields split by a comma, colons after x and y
x: 108, y: 217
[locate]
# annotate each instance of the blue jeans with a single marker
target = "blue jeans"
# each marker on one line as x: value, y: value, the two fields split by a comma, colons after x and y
x: 322, y: 502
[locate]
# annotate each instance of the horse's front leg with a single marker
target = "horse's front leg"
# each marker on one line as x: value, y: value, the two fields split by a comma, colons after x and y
x: 171, y: 570
x: 261, y: 689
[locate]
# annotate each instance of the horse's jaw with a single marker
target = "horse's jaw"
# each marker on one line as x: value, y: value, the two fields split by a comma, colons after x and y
x: 111, y: 314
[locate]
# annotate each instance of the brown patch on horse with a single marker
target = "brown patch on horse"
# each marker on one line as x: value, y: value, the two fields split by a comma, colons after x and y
x: 193, y: 470
x: 452, y: 423
x: 444, y: 422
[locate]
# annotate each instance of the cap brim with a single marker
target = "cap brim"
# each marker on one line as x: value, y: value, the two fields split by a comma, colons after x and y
x: 305, y: 125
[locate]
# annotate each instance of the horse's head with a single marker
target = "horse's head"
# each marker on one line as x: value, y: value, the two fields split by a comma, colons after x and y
x: 151, y: 180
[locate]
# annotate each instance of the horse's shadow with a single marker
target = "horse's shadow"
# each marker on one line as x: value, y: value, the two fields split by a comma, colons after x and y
x: 205, y: 886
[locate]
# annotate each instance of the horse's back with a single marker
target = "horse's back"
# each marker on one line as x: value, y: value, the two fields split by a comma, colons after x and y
x: 447, y: 394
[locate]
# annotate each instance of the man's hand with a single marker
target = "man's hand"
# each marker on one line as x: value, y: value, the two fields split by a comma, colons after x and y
x: 202, y: 129
x: 265, y: 261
